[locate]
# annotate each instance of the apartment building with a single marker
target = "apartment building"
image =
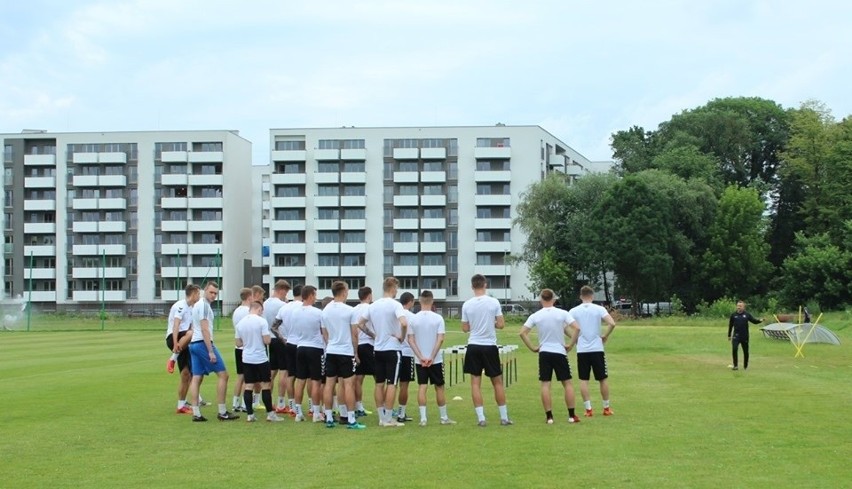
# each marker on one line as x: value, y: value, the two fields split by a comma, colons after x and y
x: 429, y: 205
x: 123, y: 216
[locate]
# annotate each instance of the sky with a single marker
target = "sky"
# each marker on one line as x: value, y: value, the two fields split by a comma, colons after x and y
x: 580, y: 69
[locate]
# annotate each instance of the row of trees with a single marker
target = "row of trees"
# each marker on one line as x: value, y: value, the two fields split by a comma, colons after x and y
x: 739, y: 198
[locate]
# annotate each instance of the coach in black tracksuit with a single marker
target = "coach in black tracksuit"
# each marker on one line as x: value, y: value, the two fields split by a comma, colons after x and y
x: 738, y: 325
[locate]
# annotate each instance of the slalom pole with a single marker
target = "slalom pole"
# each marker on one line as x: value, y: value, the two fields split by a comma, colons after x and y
x: 103, y: 287
x: 219, y: 281
x: 801, y: 345
x: 177, y: 277
x: 30, y: 295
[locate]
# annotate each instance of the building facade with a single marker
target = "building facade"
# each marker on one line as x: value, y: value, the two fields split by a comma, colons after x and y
x: 428, y: 205
x: 123, y: 216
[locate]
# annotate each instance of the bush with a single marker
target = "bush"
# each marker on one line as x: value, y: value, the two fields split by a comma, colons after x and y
x: 721, y: 308
x: 677, y: 306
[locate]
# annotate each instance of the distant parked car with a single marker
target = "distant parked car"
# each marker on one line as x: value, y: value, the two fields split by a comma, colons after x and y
x: 514, y: 309
x: 656, y: 309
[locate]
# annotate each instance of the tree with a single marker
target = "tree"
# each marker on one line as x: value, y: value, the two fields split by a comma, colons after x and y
x: 735, y: 263
x: 633, y: 150
x: 548, y: 272
x: 819, y: 270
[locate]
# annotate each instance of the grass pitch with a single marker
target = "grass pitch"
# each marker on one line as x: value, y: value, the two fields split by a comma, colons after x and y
x: 96, y: 409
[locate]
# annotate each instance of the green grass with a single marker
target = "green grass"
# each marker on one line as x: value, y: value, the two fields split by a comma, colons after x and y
x: 95, y: 409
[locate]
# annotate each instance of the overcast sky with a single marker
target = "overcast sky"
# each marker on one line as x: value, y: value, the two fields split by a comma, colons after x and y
x: 581, y: 69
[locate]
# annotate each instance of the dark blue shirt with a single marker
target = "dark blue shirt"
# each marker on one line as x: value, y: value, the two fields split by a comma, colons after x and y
x: 739, y: 324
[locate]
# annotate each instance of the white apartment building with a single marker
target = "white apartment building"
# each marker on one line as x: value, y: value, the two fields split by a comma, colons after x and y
x: 429, y: 205
x: 124, y: 216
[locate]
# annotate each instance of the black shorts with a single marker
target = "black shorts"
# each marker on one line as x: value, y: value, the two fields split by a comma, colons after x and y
x: 309, y: 363
x: 183, y: 356
x: 238, y: 357
x: 387, y: 367
x: 483, y: 357
x: 433, y: 374
x: 342, y: 366
x: 290, y: 353
x: 594, y: 361
x: 550, y: 363
x: 368, y: 360
x: 406, y: 369
x: 257, y: 372
x: 276, y: 355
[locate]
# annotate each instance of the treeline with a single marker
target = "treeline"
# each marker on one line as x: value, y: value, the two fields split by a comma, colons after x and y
x: 739, y: 198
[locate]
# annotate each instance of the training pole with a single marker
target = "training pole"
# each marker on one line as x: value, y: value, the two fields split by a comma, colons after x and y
x: 219, y: 281
x: 177, y: 277
x: 801, y: 345
x: 30, y: 294
x: 103, y: 287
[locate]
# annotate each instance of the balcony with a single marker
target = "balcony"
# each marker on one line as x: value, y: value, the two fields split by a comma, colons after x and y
x: 405, y: 200
x: 433, y: 153
x: 174, y: 179
x: 39, y: 228
x: 173, y: 272
x: 406, y: 271
x: 492, y: 246
x: 84, y: 204
x: 287, y: 271
x: 353, y: 224
x: 405, y: 247
x: 433, y: 247
x: 433, y: 176
x: 492, y: 153
x: 326, y: 177
x: 326, y: 248
x: 353, y: 247
x: 406, y: 177
x: 205, y: 203
x: 492, y: 176
x: 484, y: 223
x: 174, y: 249
x: 85, y: 158
x: 112, y: 180
x: 205, y: 226
x: 500, y: 294
x: 289, y: 155
x: 353, y: 201
x: 325, y: 224
x: 206, y: 156
x: 433, y: 270
x: 326, y: 154
x: 288, y: 202
x: 288, y: 178
x: 439, y: 294
x: 327, y: 271
x: 173, y: 202
x: 492, y: 200
x: 108, y: 204
x: 172, y: 226
x: 326, y: 201
x: 93, y: 250
x: 493, y: 270
x: 353, y: 177
x: 354, y: 271
x: 85, y: 250
x: 39, y: 205
x: 85, y: 181
x: 112, y: 157
x: 433, y: 223
x: 174, y: 157
x: 109, y: 272
x: 40, y: 250
x: 206, y: 180
x: 353, y: 154
x: 406, y: 153
x: 433, y: 200
x: 205, y: 248
x: 299, y: 225
x: 96, y: 295
x: 39, y: 182
x: 288, y: 248
x: 40, y: 160
x: 406, y: 223
x: 40, y: 273
x: 574, y: 170
x: 112, y: 249
x: 40, y: 295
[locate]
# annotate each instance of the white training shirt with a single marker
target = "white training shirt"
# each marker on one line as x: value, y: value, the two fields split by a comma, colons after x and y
x: 405, y: 347
x: 284, y: 315
x: 364, y: 338
x: 424, y: 329
x: 481, y: 312
x: 551, y: 322
x: 271, y: 307
x: 385, y: 314
x: 589, y: 317
x: 305, y: 323
x: 251, y: 329
x: 337, y: 321
x: 201, y: 310
x: 239, y: 313
x: 180, y: 309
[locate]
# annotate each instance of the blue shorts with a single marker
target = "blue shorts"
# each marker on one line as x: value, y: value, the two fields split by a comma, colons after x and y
x: 201, y: 364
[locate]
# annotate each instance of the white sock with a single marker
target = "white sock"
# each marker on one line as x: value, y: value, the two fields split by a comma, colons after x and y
x: 401, y: 413
x: 298, y: 409
x: 223, y: 409
x: 329, y: 416
x: 504, y: 412
x: 237, y: 401
x: 196, y: 411
x: 442, y: 411
x: 350, y: 416
x: 292, y: 403
x: 587, y: 405
x: 181, y: 404
x: 422, y: 413
x: 316, y: 410
x: 343, y: 411
x: 606, y: 403
x: 174, y: 357
x: 281, y: 402
x: 480, y: 413
x: 359, y: 406
x: 255, y: 399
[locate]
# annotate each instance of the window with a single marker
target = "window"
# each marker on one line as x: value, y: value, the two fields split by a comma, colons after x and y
x: 387, y: 170
x: 433, y: 259
x: 388, y: 241
x: 328, y: 167
x: 328, y: 260
x: 388, y: 194
x: 176, y: 169
x: 433, y: 236
x: 354, y: 283
x: 355, y: 213
x: 353, y: 167
x: 356, y: 260
x: 407, y: 260
x: 407, y: 166
x: 453, y: 240
x: 289, y: 260
x: 407, y: 213
x: 408, y: 189
x: 290, y: 214
x: 453, y: 217
x: 354, y: 237
x: 452, y: 263
x: 388, y: 217
x: 483, y: 259
x: 289, y: 191
x: 433, y: 213
x: 409, y: 283
x: 174, y: 215
x: 452, y: 194
x: 433, y: 189
x: 328, y: 213
x: 289, y: 145
x: 354, y: 190
x: 388, y: 265
x: 289, y: 237
x: 207, y: 147
x: 432, y: 283
x: 492, y: 142
x: 207, y: 215
x: 328, y: 237
x: 175, y: 238
x: 406, y: 237
x: 291, y: 168
x: 433, y: 166
x: 9, y: 198
x: 326, y: 190
x: 7, y: 220
x: 453, y: 170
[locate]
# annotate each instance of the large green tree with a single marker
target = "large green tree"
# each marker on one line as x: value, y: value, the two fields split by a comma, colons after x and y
x: 819, y: 271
